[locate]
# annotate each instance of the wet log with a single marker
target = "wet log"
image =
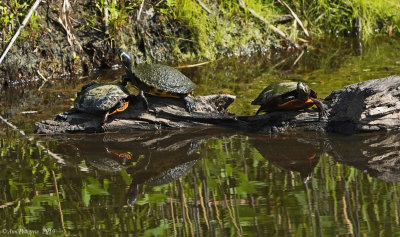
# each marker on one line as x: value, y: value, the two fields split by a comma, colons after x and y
x: 362, y: 107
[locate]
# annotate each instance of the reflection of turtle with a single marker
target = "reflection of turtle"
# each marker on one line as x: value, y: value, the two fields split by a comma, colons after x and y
x: 288, y: 96
x: 158, y: 80
x: 112, y: 160
x: 107, y: 98
x: 152, y: 178
x: 291, y: 153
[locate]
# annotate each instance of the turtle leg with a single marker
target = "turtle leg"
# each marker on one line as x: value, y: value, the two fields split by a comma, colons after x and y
x: 144, y: 100
x: 190, y: 105
x: 321, y: 107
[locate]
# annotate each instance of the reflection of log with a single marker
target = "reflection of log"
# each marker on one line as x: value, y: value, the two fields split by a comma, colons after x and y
x: 363, y: 107
x: 378, y: 155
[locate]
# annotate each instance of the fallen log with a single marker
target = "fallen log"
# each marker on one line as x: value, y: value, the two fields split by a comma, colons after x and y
x: 362, y: 107
x: 367, y: 106
x: 164, y: 113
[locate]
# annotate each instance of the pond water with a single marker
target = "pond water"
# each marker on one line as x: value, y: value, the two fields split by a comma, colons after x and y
x: 206, y: 181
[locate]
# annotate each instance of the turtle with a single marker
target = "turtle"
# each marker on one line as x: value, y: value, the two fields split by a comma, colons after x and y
x: 288, y: 96
x: 158, y: 80
x: 103, y: 98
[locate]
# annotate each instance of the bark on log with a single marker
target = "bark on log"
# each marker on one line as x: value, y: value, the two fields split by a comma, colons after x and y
x: 367, y: 106
x: 363, y: 107
x: 165, y: 113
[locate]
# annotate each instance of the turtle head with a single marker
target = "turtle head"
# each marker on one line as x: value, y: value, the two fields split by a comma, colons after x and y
x: 125, y: 58
x: 303, y: 91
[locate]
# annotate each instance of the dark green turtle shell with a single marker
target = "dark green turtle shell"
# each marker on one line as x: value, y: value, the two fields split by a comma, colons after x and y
x: 100, y: 97
x: 164, y: 78
x: 274, y: 90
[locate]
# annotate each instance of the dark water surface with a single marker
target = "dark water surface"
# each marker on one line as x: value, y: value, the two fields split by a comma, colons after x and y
x: 206, y: 181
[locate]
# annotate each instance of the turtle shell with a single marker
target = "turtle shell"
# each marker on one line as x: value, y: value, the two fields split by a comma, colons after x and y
x: 170, y: 175
x: 100, y: 97
x: 274, y: 90
x: 164, y: 78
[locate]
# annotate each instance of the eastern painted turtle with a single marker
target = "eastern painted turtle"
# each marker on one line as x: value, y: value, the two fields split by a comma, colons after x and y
x: 288, y: 96
x: 158, y: 80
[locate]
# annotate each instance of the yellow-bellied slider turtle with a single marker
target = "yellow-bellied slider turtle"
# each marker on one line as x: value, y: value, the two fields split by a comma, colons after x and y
x: 102, y: 98
x: 288, y: 96
x: 158, y: 80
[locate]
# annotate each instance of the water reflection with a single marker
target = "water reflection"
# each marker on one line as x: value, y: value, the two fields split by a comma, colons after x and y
x: 299, y: 154
x: 212, y: 182
x: 378, y: 154
x: 150, y: 158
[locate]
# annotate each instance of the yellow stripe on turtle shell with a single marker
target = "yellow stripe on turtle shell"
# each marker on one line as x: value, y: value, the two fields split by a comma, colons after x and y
x: 162, y: 93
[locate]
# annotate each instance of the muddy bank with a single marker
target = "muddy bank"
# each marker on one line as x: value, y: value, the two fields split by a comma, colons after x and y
x: 79, y: 39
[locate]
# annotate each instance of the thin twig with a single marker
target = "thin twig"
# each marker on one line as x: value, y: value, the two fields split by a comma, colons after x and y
x: 106, y: 24
x: 44, y: 79
x: 52, y: 154
x: 172, y: 209
x: 216, y: 210
x: 7, y: 204
x: 298, y: 58
x: 59, y: 203
x: 64, y: 21
x: 273, y: 28
x: 295, y: 17
x: 193, y: 65
x: 27, y: 17
x: 203, y: 207
x: 140, y: 11
x: 13, y: 127
x: 204, y: 7
x: 232, y: 217
x: 159, y: 3
x: 29, y: 112
x: 186, y: 206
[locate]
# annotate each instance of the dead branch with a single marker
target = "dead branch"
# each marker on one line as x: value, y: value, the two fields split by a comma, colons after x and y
x: 193, y: 65
x: 27, y: 17
x: 65, y: 22
x: 140, y: 10
x: 270, y: 26
x: 202, y: 5
x: 295, y: 17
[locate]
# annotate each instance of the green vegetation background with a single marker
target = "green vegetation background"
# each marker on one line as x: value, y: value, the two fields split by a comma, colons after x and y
x: 208, y: 35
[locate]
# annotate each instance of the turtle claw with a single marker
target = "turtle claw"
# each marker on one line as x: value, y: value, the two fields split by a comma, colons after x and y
x: 190, y: 105
x: 322, y: 108
x: 144, y: 101
x: 322, y: 111
x: 105, y: 117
